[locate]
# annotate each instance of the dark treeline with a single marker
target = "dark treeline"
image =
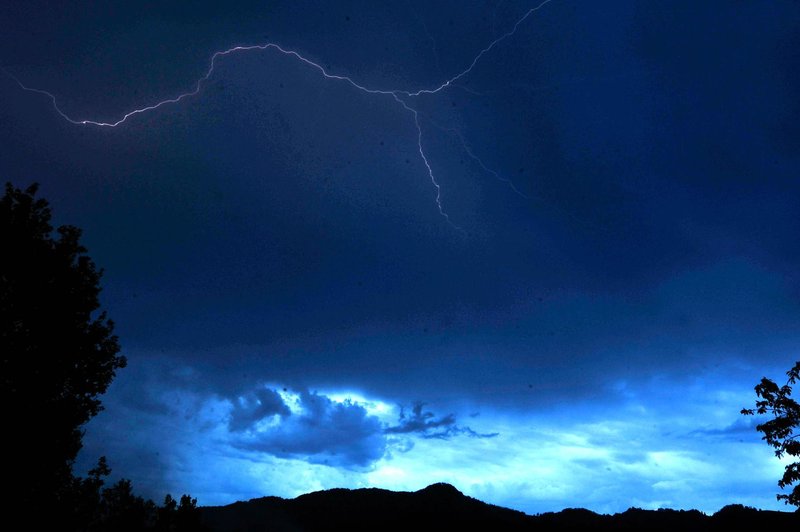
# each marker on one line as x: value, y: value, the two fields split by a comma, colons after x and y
x: 58, y: 356
x: 87, y: 505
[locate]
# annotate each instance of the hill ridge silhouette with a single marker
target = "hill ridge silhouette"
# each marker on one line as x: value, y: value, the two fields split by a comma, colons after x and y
x: 443, y: 506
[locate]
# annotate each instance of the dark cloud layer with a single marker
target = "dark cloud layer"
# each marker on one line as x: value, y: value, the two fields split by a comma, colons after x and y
x: 292, y: 219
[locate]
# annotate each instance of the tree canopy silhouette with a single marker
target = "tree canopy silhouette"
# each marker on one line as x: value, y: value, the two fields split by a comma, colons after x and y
x: 782, y: 432
x: 58, y: 349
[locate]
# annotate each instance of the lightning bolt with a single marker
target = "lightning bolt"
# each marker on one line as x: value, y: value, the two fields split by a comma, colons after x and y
x: 427, y: 163
x: 400, y: 96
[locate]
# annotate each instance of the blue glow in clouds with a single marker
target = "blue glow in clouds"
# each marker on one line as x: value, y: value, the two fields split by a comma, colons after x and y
x: 649, y: 453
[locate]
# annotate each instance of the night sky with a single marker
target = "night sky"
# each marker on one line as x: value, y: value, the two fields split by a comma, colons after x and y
x: 619, y: 269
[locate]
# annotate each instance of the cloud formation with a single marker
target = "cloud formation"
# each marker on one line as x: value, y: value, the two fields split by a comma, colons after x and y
x: 316, y: 429
x: 323, y: 429
x: 261, y: 404
x: 739, y: 430
x: 427, y: 425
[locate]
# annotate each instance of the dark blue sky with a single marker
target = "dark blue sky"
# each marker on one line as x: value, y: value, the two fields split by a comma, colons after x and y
x: 624, y: 177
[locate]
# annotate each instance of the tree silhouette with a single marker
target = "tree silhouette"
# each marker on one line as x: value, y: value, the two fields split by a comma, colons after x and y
x: 59, y: 352
x: 783, y: 430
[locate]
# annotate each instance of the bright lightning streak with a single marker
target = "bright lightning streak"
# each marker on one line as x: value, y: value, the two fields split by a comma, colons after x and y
x: 394, y: 93
x: 477, y: 58
x: 427, y: 164
x: 199, y: 84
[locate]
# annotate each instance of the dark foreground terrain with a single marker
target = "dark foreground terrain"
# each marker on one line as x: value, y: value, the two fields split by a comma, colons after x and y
x: 443, y: 507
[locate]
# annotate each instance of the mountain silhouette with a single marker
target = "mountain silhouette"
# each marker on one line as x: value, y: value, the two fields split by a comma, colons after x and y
x: 442, y: 507
x: 438, y: 505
